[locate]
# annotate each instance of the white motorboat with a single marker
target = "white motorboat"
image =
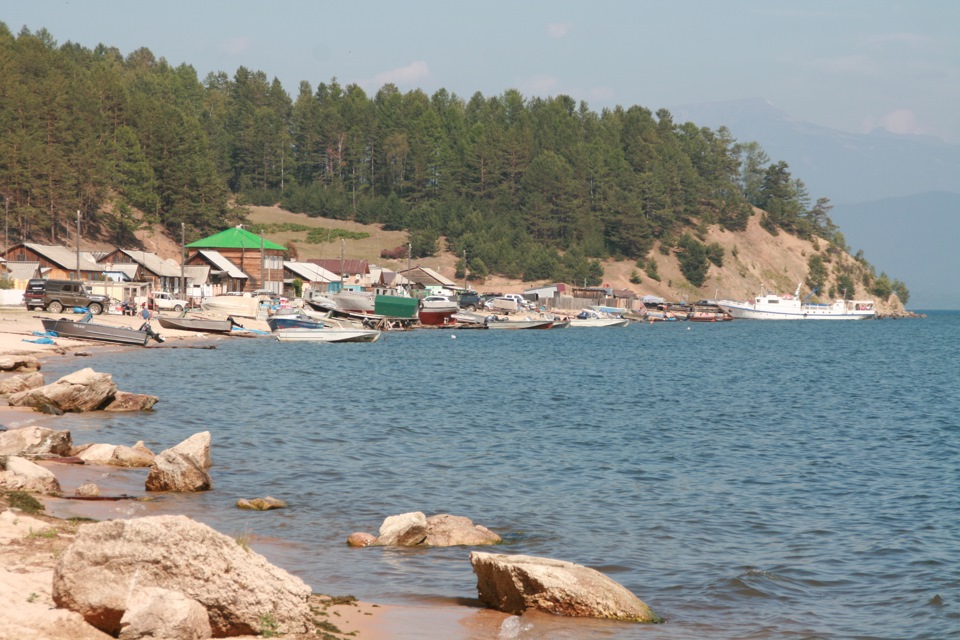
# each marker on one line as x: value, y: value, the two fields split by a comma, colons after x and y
x: 327, y: 334
x: 241, y: 306
x: 592, y: 318
x: 770, y: 306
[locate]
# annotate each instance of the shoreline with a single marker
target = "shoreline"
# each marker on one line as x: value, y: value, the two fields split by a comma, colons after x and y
x: 26, y: 568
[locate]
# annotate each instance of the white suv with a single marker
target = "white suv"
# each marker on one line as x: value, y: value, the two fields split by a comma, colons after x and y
x: 164, y: 301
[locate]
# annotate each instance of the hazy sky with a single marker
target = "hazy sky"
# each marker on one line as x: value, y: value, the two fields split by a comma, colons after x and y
x: 852, y: 65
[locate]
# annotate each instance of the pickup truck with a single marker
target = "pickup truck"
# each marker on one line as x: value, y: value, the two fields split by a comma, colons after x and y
x: 164, y: 301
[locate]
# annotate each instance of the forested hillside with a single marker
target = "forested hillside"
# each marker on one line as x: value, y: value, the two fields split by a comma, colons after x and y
x: 528, y: 188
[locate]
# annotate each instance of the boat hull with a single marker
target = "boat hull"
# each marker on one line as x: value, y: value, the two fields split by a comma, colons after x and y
x: 599, y: 322
x: 742, y: 311
x: 205, y: 325
x: 519, y: 324
x: 437, y: 315
x: 66, y: 328
x: 239, y: 306
x: 327, y: 335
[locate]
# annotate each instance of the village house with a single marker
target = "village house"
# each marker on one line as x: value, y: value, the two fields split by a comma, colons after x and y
x: 143, y: 266
x: 354, y: 273
x: 426, y: 278
x: 55, y: 262
x: 313, y: 276
x: 240, y: 261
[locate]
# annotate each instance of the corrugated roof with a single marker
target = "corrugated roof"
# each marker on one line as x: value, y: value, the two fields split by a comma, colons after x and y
x: 154, y: 263
x: 63, y: 257
x: 235, y: 238
x: 311, y: 272
x: 427, y: 277
x: 217, y: 260
x: 351, y: 266
x: 23, y: 270
x: 197, y: 273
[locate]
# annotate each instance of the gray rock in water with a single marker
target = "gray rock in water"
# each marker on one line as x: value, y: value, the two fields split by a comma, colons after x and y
x: 96, y: 575
x: 23, y: 364
x: 173, y: 471
x: 126, y: 401
x: 261, y: 504
x: 84, y: 390
x: 515, y: 583
x: 21, y: 382
x: 404, y: 530
x: 445, y: 530
x: 87, y: 490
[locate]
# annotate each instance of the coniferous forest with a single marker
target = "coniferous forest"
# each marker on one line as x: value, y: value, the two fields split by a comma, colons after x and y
x: 532, y: 188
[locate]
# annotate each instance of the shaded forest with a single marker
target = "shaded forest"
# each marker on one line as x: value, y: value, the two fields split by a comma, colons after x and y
x: 531, y: 188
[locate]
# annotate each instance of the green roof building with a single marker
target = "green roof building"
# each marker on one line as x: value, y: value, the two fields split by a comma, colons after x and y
x: 240, y: 260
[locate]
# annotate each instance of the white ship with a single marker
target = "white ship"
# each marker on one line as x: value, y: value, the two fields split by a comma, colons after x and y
x: 771, y: 306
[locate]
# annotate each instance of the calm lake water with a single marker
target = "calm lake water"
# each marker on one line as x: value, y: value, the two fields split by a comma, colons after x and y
x: 745, y: 479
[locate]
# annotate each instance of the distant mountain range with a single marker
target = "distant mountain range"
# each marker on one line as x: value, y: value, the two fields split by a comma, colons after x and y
x: 897, y: 197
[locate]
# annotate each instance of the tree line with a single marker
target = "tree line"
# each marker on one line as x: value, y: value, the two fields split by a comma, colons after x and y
x: 534, y: 188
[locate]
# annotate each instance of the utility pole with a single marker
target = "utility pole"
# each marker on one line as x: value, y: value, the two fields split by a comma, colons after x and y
x: 6, y: 226
x: 464, y: 268
x: 78, y: 244
x: 183, y: 278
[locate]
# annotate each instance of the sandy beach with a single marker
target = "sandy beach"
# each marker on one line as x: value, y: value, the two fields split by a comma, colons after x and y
x: 29, y: 544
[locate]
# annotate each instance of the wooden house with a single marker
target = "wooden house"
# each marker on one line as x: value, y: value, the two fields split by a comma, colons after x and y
x: 240, y: 261
x: 144, y: 266
x: 55, y: 262
x: 426, y: 278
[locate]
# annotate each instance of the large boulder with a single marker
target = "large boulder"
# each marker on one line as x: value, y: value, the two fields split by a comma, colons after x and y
x: 115, y: 455
x: 198, y: 447
x: 174, y: 471
x: 514, y: 584
x: 21, y: 382
x: 35, y: 441
x: 84, y: 390
x: 126, y: 401
x: 19, y: 474
x: 136, y: 456
x: 23, y: 364
x: 261, y: 504
x: 161, y: 613
x: 111, y: 560
x: 96, y: 453
x: 404, y: 530
x: 445, y: 530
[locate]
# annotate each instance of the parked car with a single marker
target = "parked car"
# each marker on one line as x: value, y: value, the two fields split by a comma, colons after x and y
x: 165, y: 301
x: 469, y: 300
x: 508, y: 302
x: 55, y: 295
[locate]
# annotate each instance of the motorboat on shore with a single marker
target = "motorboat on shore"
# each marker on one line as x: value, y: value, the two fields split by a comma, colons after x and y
x: 437, y: 309
x: 506, y: 322
x: 770, y: 306
x: 592, y: 318
x: 240, y: 306
x: 197, y: 323
x: 85, y: 330
x: 327, y: 334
